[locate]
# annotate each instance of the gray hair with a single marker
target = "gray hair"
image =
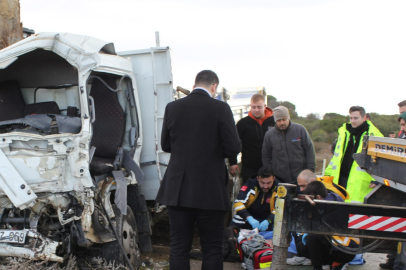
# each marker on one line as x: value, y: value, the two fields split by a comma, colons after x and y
x: 308, y: 176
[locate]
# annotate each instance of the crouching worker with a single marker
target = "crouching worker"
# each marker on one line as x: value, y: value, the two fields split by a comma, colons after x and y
x: 317, y: 247
x: 255, y: 203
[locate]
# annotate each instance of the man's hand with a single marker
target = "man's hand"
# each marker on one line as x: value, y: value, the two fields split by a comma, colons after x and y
x: 254, y: 223
x: 234, y: 169
x: 373, y: 184
x: 263, y: 226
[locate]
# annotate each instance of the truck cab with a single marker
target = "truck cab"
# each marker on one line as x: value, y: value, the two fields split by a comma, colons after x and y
x: 79, y: 146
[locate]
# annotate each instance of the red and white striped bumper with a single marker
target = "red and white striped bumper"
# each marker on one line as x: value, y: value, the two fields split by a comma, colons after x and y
x: 377, y: 223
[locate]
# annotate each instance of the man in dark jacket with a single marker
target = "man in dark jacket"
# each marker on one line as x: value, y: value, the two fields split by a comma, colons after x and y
x: 200, y: 133
x: 255, y: 203
x: 251, y: 130
x: 288, y: 148
x: 317, y: 247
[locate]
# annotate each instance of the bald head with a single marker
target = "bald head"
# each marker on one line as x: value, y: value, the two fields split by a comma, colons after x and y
x: 305, y: 178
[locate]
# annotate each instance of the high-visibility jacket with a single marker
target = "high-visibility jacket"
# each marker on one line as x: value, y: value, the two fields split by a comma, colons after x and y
x: 346, y: 241
x: 358, y: 179
x: 331, y: 186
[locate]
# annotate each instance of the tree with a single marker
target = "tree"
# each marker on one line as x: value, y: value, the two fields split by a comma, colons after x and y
x: 11, y: 30
x: 313, y: 116
x: 332, y: 121
x: 272, y: 102
x: 319, y: 136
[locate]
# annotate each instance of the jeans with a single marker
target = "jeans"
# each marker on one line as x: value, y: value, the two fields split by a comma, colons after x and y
x: 210, y: 224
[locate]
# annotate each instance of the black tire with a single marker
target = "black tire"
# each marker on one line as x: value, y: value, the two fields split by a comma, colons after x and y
x: 126, y: 228
x: 136, y: 201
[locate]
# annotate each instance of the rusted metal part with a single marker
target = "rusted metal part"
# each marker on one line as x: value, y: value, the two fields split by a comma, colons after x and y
x: 11, y: 30
x: 308, y: 198
x: 182, y: 90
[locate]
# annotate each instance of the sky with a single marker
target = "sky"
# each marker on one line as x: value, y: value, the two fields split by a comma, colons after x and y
x: 321, y: 55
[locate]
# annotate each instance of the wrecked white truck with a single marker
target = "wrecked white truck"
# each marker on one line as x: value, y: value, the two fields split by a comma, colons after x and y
x: 77, y: 123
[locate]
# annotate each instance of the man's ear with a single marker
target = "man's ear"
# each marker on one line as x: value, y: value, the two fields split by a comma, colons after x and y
x: 318, y: 197
x: 213, y: 88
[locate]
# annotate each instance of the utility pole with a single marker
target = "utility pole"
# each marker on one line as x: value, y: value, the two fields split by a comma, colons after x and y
x: 11, y: 29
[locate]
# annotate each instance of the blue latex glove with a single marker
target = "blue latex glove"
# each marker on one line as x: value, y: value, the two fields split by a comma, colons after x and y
x: 263, y: 226
x: 254, y: 223
x: 304, y: 238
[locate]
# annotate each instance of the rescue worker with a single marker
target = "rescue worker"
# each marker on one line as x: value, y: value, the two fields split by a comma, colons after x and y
x: 251, y: 130
x: 255, y: 203
x: 317, y: 247
x: 342, y: 167
x: 307, y: 176
x: 333, y: 190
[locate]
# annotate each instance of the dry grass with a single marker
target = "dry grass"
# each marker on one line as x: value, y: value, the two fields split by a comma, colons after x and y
x: 322, y: 152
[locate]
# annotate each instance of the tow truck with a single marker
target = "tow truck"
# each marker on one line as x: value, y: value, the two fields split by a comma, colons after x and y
x: 380, y: 222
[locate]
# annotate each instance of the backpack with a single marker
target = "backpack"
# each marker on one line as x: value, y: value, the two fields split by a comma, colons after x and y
x: 254, y: 252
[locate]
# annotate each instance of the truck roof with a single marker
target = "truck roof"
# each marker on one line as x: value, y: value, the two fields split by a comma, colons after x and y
x: 83, y: 52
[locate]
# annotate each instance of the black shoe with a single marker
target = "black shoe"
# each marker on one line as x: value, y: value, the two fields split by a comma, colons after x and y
x: 388, y: 265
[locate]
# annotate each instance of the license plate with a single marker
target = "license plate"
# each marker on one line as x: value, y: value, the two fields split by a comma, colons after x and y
x: 12, y: 236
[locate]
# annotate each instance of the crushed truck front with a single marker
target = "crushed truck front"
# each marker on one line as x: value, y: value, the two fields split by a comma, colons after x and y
x: 55, y: 184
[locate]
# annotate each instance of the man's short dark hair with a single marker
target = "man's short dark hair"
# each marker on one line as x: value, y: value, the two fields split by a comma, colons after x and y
x: 316, y: 188
x: 206, y: 77
x: 359, y: 109
x: 368, y: 116
x: 391, y: 132
x: 402, y: 103
x: 265, y: 171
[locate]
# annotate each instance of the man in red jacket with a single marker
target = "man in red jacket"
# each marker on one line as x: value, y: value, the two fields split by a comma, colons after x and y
x: 251, y: 130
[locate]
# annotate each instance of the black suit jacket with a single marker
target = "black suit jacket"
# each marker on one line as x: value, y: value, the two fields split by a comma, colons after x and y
x: 200, y: 133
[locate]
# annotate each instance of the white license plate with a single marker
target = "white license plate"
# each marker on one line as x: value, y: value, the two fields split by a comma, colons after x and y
x: 12, y: 236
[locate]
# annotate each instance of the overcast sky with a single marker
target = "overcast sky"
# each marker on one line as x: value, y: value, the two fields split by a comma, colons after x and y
x: 321, y: 55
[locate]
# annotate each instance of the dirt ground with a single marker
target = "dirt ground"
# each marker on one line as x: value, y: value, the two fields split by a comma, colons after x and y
x: 322, y: 152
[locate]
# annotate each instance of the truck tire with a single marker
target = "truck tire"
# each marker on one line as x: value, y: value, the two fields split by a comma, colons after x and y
x: 136, y: 201
x: 126, y: 228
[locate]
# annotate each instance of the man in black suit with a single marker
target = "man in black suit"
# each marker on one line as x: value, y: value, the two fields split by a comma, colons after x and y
x: 200, y: 133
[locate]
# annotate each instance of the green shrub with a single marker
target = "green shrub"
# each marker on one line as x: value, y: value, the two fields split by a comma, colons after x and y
x: 319, y: 135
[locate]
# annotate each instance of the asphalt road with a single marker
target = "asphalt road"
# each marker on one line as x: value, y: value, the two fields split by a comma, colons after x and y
x: 372, y: 262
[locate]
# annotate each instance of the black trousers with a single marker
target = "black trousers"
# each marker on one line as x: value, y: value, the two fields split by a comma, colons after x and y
x: 247, y: 172
x: 321, y: 251
x: 210, y: 224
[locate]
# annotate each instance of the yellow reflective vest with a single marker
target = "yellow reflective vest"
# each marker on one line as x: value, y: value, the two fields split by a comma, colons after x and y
x: 358, y: 179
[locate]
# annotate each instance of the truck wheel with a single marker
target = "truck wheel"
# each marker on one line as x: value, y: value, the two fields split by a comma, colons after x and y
x: 136, y: 201
x: 126, y: 228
